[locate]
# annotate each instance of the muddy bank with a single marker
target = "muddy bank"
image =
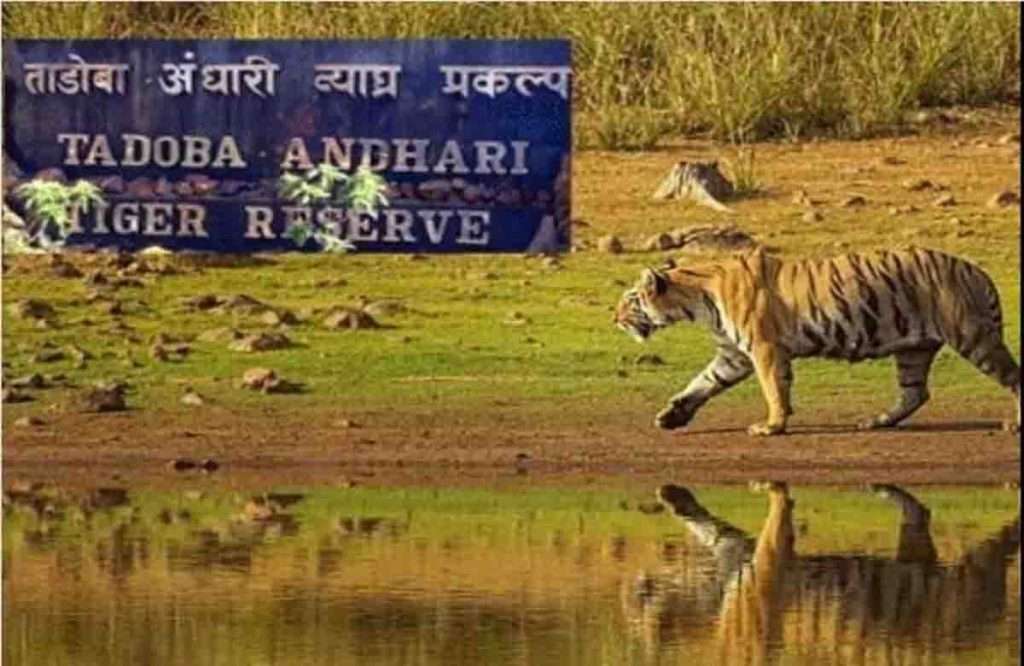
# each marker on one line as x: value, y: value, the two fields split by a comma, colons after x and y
x: 278, y: 447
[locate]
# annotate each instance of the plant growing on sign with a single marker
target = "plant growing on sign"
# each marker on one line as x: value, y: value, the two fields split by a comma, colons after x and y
x: 50, y: 207
x: 362, y: 191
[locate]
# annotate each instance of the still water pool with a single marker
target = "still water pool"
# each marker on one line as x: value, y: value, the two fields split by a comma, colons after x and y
x: 524, y: 575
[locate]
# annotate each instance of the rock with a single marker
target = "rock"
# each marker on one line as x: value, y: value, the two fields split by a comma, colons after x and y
x: 261, y: 342
x: 229, y: 188
x: 96, y: 278
x: 347, y: 318
x: 713, y: 238
x: 609, y: 244
x: 47, y: 356
x: 853, y: 201
x: 163, y: 188
x: 51, y: 175
x: 648, y: 359
x: 1004, y: 199
x: 107, y: 498
x: 244, y: 303
x: 1007, y: 139
x: 279, y: 317
x: 203, y: 302
x: 32, y: 381
x: 201, y: 184
x: 112, y: 308
x: 659, y: 242
x: 258, y: 509
x: 78, y: 354
x: 112, y: 184
x: 65, y: 270
x: 383, y: 308
x: 800, y: 198
x: 12, y: 395
x: 221, y: 335
x: 812, y: 216
x: 509, y: 196
x: 192, y: 399
x: 103, y: 398
x: 406, y: 190
x: 182, y: 464
x: 516, y: 318
x: 267, y: 381
x: 944, y: 201
x: 903, y: 210
x: 259, y: 378
x: 141, y: 187
x: 437, y: 189
x: 29, y: 422
x: 920, y: 184
x: 32, y: 308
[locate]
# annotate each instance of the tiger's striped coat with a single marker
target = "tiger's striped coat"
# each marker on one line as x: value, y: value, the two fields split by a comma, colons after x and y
x: 764, y: 312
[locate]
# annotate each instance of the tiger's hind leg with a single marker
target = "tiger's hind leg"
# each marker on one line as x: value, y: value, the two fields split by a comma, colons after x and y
x: 991, y: 356
x: 912, y: 367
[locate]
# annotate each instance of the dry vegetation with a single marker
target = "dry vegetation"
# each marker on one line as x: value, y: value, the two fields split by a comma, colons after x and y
x: 650, y: 70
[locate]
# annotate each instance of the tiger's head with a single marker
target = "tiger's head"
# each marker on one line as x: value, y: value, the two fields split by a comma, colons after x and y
x: 638, y: 312
x: 657, y: 300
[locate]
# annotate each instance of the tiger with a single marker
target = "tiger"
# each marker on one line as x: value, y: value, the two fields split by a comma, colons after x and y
x: 768, y: 600
x: 765, y: 311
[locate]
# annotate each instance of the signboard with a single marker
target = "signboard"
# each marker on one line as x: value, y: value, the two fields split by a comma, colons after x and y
x: 188, y: 138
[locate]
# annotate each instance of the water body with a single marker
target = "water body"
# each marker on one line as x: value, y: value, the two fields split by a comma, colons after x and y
x: 524, y: 575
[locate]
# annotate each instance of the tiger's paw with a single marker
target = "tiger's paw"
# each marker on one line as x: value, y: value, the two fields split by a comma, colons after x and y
x: 876, y: 423
x: 673, y: 417
x: 766, y: 429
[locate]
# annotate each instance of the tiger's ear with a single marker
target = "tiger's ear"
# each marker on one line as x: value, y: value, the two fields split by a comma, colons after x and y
x: 655, y: 281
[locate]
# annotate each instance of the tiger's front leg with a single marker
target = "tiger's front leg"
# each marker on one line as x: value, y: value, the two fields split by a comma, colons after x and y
x: 728, y: 368
x: 775, y: 374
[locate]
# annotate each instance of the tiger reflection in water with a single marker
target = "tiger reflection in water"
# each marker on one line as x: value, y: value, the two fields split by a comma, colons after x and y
x: 834, y: 609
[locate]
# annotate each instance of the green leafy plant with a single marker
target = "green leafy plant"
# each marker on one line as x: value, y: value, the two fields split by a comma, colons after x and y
x: 50, y: 207
x: 362, y: 191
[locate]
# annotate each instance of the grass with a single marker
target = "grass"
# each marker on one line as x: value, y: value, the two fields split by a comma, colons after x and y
x: 647, y: 71
x: 453, y: 353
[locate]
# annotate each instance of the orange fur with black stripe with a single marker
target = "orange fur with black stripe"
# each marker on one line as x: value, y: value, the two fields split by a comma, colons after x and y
x: 765, y: 311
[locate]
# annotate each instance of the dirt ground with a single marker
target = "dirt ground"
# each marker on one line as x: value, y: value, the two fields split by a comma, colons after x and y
x: 136, y: 447
x: 394, y: 445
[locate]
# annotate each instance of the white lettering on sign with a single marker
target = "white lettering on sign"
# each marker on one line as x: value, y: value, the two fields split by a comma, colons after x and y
x: 461, y: 226
x: 75, y: 78
x: 494, y: 80
x: 357, y: 80
x: 139, y: 150
x: 255, y: 73
x: 150, y: 218
x: 473, y: 227
x: 411, y: 155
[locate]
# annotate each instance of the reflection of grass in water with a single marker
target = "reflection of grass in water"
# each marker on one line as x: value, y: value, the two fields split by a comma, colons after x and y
x: 470, y: 567
x: 831, y: 519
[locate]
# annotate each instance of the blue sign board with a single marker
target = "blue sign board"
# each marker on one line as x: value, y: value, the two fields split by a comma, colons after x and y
x: 188, y: 138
